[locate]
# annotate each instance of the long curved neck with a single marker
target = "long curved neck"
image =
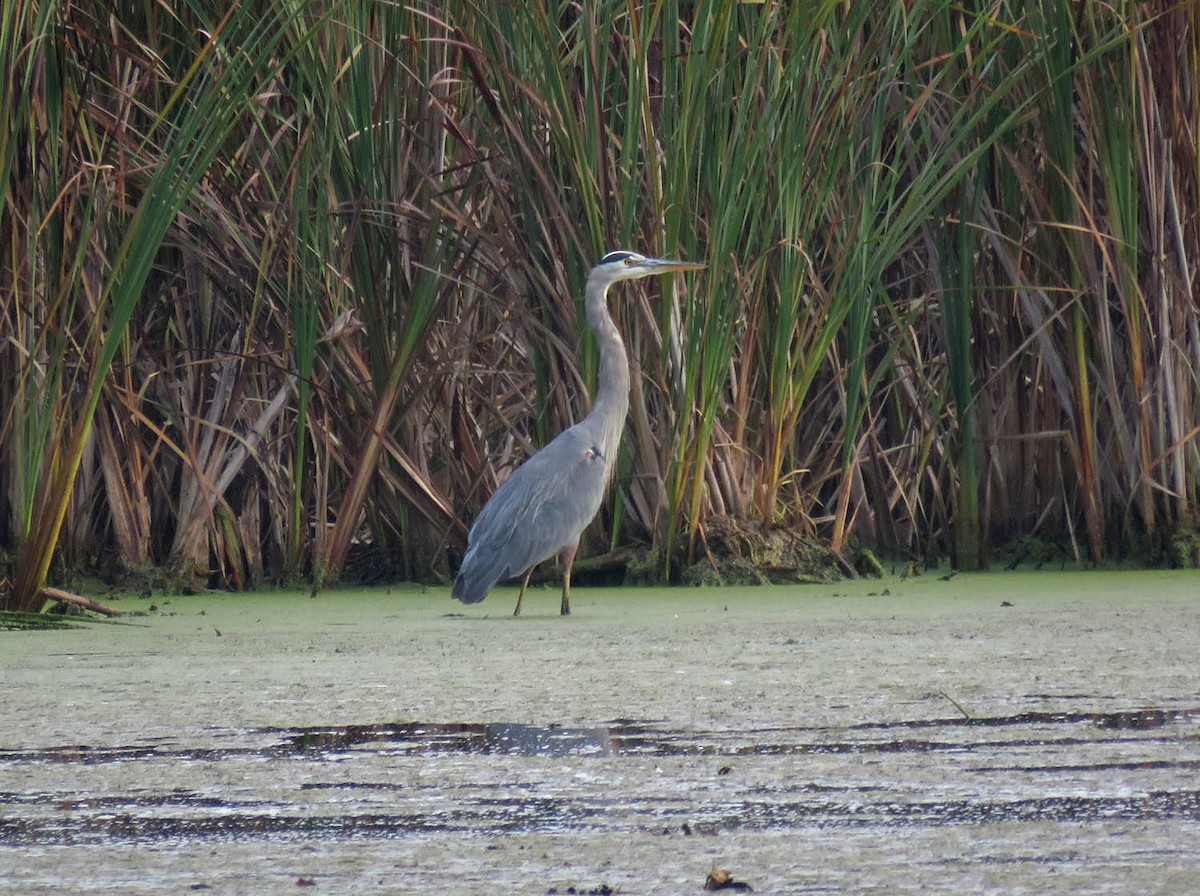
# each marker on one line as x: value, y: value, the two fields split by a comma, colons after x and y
x: 612, y: 396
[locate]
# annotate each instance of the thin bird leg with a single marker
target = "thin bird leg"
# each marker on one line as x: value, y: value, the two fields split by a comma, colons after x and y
x: 524, y: 585
x: 568, y: 560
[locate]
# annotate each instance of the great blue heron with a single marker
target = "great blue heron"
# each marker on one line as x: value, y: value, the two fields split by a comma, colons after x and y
x: 543, y: 507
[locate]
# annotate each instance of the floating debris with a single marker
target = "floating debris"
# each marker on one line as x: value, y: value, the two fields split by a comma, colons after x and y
x: 720, y: 879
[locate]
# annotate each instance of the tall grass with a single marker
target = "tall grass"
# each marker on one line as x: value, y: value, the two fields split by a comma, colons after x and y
x: 285, y: 287
x: 103, y: 283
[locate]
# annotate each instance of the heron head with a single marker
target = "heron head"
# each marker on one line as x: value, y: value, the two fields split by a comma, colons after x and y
x: 624, y: 265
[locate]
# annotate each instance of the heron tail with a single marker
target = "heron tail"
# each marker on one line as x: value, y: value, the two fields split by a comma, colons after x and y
x: 468, y: 589
x: 482, y: 568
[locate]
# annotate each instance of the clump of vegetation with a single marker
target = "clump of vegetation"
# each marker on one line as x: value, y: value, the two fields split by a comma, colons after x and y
x: 1184, y: 550
x: 745, y: 552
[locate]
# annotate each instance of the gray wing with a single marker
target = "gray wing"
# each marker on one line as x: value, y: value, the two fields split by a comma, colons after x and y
x: 537, y: 512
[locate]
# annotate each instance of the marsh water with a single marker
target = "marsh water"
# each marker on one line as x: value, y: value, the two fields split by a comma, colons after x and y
x: 1001, y: 733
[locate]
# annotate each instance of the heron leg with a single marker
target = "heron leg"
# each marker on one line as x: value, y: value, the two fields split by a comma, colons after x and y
x: 524, y: 585
x: 568, y: 560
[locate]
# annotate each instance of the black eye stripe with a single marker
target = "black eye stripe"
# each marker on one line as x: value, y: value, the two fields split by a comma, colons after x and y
x: 618, y: 256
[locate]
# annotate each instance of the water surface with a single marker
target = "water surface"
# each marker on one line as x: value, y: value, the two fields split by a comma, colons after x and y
x: 1008, y: 733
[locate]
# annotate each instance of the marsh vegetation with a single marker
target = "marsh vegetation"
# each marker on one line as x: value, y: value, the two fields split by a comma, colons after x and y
x: 290, y: 287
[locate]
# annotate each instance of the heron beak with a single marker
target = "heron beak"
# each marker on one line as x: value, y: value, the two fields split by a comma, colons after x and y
x: 666, y: 265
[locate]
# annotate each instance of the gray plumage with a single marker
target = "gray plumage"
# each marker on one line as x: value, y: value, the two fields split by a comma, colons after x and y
x: 527, y: 520
x: 543, y: 507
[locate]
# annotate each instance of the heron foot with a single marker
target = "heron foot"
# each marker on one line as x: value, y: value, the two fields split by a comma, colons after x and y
x: 568, y: 561
x: 521, y: 596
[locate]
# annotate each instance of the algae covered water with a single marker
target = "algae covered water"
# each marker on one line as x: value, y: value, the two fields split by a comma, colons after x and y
x: 1014, y: 733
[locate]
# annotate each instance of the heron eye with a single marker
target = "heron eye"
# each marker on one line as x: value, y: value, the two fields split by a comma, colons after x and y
x: 628, y: 261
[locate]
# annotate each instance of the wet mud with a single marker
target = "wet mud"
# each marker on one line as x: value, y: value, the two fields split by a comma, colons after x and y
x: 1007, y: 734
